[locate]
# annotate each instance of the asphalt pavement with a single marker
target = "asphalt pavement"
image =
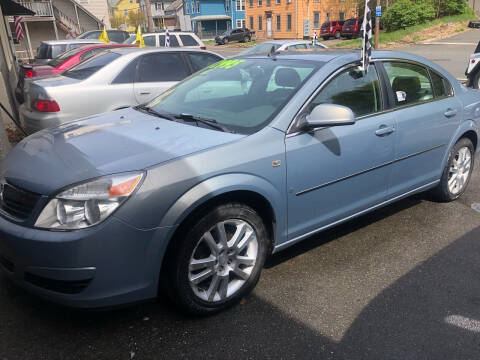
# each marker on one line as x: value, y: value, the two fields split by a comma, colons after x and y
x: 402, y: 282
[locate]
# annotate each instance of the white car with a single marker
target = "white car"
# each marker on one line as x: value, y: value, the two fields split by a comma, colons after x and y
x: 182, y: 39
x: 111, y: 80
x: 473, y: 70
x: 282, y: 45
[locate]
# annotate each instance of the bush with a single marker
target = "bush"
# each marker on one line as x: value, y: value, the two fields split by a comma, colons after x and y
x: 449, y: 7
x: 405, y: 13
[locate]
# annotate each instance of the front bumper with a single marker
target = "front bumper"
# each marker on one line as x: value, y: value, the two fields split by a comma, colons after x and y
x: 106, y: 265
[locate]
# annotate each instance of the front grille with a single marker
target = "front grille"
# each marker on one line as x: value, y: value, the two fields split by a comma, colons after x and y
x: 60, y: 286
x: 17, y: 202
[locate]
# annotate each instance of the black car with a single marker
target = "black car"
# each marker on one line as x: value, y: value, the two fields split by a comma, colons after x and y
x: 242, y: 35
x: 118, y: 36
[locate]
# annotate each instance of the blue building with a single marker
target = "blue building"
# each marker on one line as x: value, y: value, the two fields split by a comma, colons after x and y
x: 212, y: 17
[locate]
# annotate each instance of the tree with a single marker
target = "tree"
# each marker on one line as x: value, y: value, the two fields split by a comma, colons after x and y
x: 118, y: 20
x: 136, y: 18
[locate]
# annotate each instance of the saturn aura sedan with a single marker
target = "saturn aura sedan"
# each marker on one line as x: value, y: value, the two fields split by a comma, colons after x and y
x: 187, y: 195
x: 110, y: 80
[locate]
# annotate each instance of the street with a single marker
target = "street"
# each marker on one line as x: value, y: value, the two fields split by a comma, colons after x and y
x: 402, y: 282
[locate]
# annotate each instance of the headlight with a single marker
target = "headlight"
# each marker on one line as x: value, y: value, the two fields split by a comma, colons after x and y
x: 89, y: 203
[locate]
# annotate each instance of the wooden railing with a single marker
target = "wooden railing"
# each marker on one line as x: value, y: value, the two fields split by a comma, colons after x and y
x: 41, y: 8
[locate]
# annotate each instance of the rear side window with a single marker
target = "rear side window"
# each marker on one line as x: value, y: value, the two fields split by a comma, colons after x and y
x: 354, y: 89
x: 188, y: 40
x: 441, y: 86
x: 127, y: 75
x: 149, y: 40
x: 90, y: 53
x: 91, y: 66
x: 201, y: 60
x: 161, y: 67
x: 173, y: 40
x: 410, y: 82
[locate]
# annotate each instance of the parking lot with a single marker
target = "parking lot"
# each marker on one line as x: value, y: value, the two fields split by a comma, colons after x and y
x: 402, y: 282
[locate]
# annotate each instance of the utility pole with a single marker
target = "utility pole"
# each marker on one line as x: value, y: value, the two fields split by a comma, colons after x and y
x: 377, y: 28
x: 149, y: 16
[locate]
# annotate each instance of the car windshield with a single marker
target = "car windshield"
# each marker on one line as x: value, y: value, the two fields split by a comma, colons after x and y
x: 64, y: 56
x: 242, y: 95
x: 350, y: 22
x: 131, y: 39
x: 90, y: 66
x: 263, y: 48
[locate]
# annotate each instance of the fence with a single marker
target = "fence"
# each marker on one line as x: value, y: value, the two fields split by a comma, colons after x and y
x: 41, y: 8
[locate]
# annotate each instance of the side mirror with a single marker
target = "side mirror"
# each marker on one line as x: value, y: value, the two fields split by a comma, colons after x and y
x: 329, y: 115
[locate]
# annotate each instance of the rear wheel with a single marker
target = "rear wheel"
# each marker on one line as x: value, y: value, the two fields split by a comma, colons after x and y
x: 325, y: 38
x: 219, y: 259
x: 457, y: 172
x: 337, y: 34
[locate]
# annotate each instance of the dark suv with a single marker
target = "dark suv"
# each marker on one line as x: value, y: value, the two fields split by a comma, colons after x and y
x: 352, y: 28
x: 242, y: 35
x: 331, y: 28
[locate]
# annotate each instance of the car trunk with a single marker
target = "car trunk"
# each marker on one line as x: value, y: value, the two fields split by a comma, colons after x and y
x: 39, y: 88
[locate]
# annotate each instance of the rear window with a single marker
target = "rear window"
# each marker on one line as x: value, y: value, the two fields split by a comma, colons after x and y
x: 92, y: 35
x: 59, y: 59
x: 173, y: 40
x: 325, y: 24
x: 131, y: 39
x: 188, y: 40
x: 91, y: 66
x: 46, y: 51
x: 350, y: 22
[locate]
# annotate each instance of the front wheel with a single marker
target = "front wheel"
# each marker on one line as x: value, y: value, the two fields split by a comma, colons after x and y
x: 457, y: 172
x: 337, y: 35
x: 225, y: 41
x: 246, y: 39
x: 219, y: 259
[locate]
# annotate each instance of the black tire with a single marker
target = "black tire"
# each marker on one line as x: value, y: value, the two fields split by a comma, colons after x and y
x: 180, y: 291
x: 246, y: 39
x: 441, y: 192
x: 225, y: 41
x: 325, y: 38
x: 476, y: 80
x: 337, y: 35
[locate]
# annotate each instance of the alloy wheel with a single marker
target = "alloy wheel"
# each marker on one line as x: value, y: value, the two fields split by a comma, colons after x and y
x: 223, y: 260
x: 459, y: 170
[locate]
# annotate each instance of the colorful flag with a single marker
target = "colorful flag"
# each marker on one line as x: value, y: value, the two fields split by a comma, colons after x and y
x: 139, y: 39
x: 18, y: 27
x: 104, y: 36
x: 367, y: 36
x: 167, y: 38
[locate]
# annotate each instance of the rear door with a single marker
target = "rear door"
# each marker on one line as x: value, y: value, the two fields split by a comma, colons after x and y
x: 426, y: 114
x: 157, y: 72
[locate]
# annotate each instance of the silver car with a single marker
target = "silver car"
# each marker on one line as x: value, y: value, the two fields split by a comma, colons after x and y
x: 50, y: 49
x: 111, y: 80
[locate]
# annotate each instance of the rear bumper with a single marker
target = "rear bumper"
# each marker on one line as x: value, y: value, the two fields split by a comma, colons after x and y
x: 103, y: 266
x: 34, y: 121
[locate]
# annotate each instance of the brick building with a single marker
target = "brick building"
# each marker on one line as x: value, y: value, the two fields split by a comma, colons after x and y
x: 294, y: 19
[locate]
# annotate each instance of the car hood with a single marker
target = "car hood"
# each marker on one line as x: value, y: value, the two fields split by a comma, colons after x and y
x: 120, y: 141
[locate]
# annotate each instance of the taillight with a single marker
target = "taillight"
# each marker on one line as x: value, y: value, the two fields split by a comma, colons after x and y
x: 28, y: 74
x: 473, y: 61
x: 45, y: 105
x: 203, y: 47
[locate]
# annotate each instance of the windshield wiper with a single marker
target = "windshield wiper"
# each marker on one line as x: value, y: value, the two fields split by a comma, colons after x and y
x: 198, y: 119
x: 156, y: 113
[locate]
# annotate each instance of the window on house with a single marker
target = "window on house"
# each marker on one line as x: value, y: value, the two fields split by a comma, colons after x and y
x: 277, y: 2
x: 259, y: 2
x: 227, y: 6
x: 279, y: 22
x: 240, y: 23
x: 328, y: 17
x: 131, y: 1
x: 316, y: 20
x: 198, y: 6
x: 316, y: 1
x: 250, y: 2
x: 193, y: 8
x: 187, y: 9
x: 125, y: 12
x: 289, y: 22
x: 269, y: 2
x: 341, y: 15
x: 259, y: 23
x: 251, y: 22
x: 240, y: 5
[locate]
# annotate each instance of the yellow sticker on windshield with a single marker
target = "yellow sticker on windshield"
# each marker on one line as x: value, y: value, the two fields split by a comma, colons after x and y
x: 226, y: 64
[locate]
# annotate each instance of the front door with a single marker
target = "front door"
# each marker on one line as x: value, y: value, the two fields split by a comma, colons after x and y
x: 338, y: 171
x: 158, y: 72
x: 269, y: 25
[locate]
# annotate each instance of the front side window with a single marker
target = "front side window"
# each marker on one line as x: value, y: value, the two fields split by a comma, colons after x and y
x: 354, y: 89
x: 161, y: 67
x: 410, y: 83
x: 240, y: 94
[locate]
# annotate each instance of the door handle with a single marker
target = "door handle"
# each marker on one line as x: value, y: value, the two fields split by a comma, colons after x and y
x: 145, y: 93
x: 384, y: 130
x: 450, y: 112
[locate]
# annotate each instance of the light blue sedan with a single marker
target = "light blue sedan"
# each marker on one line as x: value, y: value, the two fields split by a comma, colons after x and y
x: 189, y: 194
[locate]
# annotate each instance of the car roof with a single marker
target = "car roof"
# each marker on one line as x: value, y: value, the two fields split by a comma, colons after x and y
x: 72, y: 41
x: 146, y: 50
x: 170, y: 33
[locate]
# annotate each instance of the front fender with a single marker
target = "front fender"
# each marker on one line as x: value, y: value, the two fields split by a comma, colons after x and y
x: 223, y: 184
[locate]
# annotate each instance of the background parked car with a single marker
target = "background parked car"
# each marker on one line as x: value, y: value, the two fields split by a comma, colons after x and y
x: 183, y: 39
x: 331, y: 28
x: 118, y: 36
x: 108, y: 81
x: 51, y: 49
x: 282, y: 45
x: 58, y: 65
x: 242, y: 35
x: 352, y: 28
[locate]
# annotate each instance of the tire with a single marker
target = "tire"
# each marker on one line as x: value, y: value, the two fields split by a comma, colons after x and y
x: 325, y: 38
x: 246, y: 39
x: 225, y: 41
x: 453, y: 184
x: 337, y: 35
x: 229, y: 274
x: 476, y: 80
